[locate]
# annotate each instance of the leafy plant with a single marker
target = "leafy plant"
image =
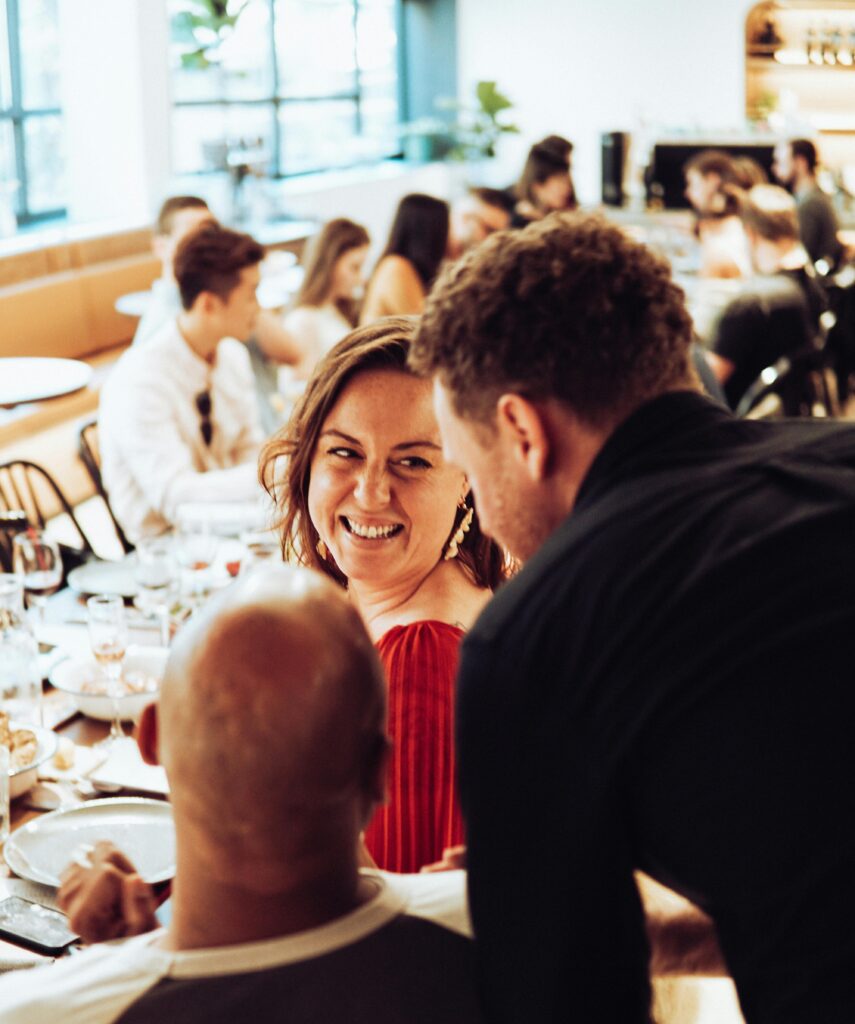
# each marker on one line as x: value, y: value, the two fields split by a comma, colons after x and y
x: 202, y: 26
x: 477, y: 129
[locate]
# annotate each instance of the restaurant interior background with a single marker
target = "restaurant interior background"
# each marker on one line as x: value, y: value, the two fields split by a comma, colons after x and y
x: 304, y: 110
x: 99, y: 118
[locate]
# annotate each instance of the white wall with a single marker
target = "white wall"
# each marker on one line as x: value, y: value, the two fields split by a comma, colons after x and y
x: 579, y: 68
x: 115, y: 98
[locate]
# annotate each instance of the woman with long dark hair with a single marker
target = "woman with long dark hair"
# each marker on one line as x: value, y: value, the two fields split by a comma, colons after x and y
x: 417, y: 245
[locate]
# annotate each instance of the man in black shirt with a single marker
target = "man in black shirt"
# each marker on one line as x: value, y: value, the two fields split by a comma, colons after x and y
x: 666, y: 684
x: 778, y: 315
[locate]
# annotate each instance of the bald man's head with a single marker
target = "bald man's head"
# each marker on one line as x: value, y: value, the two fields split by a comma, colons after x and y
x: 272, y: 716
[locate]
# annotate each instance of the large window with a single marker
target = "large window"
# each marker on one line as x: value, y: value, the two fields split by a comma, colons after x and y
x: 32, y: 172
x: 294, y: 85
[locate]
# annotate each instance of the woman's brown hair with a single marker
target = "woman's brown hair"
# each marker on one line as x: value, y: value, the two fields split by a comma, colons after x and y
x: 334, y: 239
x: 382, y: 345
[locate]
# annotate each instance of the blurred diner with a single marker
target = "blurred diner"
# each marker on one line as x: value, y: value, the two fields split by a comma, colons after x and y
x: 178, y: 418
x: 417, y: 245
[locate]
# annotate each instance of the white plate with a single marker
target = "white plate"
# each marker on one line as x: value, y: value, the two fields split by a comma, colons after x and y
x: 70, y: 675
x: 98, y: 577
x: 142, y: 829
x: 22, y: 779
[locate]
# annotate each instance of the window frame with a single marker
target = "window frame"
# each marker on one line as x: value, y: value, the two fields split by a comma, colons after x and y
x: 276, y: 100
x: 17, y: 115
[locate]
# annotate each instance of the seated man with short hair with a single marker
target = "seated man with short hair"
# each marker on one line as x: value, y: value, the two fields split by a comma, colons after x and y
x: 178, y: 217
x: 178, y: 418
x: 779, y: 314
x: 271, y: 729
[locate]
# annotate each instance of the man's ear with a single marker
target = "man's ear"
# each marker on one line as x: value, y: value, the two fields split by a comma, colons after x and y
x: 521, y: 425
x: 147, y: 734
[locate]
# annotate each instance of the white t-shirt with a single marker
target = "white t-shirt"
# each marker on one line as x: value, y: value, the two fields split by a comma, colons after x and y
x: 405, y: 956
x: 153, y: 455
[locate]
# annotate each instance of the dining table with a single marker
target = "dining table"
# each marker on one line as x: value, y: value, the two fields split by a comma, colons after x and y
x: 26, y: 379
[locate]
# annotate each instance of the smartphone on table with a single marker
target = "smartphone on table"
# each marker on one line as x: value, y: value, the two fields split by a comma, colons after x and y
x: 35, y: 927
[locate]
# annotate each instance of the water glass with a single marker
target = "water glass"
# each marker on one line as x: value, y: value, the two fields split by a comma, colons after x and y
x: 20, y: 677
x: 108, y: 637
x: 36, y: 558
x: 197, y: 548
x: 260, y: 548
x: 156, y: 578
x: 4, y: 793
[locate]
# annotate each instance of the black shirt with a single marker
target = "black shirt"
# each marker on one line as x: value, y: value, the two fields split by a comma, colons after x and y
x: 778, y: 316
x: 668, y: 685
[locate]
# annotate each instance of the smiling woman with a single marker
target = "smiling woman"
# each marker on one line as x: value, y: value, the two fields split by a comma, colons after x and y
x: 368, y: 498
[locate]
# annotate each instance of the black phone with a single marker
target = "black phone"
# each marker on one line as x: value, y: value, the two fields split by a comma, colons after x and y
x: 33, y: 926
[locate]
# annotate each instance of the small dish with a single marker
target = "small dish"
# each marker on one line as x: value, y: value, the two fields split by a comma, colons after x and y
x: 24, y: 778
x: 84, y: 681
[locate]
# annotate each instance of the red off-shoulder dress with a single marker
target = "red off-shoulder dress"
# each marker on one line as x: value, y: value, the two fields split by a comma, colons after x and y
x: 422, y: 816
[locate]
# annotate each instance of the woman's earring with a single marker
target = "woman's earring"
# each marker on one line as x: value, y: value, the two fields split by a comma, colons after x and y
x: 321, y: 549
x: 462, y: 530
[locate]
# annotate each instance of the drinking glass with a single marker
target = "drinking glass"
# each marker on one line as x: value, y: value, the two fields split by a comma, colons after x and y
x: 197, y: 548
x: 260, y: 548
x: 37, y: 559
x: 155, y: 575
x: 4, y: 794
x: 108, y: 636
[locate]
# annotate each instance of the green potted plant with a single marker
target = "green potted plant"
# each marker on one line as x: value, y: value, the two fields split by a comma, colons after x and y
x: 478, y: 127
x: 201, y: 26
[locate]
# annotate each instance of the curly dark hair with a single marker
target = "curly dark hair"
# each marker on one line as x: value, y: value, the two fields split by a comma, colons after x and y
x: 286, y: 460
x: 569, y: 308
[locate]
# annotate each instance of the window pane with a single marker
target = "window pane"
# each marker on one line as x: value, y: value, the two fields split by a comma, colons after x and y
x: 239, y: 66
x: 202, y: 137
x: 5, y: 65
x: 45, y: 161
x: 315, y: 48
x: 38, y: 20
x: 318, y: 135
x: 8, y: 180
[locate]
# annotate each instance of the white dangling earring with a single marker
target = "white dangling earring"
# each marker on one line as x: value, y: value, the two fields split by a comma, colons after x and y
x: 462, y: 530
x: 321, y: 549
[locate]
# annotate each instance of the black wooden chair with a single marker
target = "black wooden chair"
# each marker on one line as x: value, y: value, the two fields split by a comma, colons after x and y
x: 27, y: 487
x: 89, y: 451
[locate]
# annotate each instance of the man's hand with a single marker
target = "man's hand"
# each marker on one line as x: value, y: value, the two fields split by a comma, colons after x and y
x: 104, y: 897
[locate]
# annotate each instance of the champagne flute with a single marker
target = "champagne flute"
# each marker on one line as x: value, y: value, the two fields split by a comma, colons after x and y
x: 108, y: 636
x: 37, y: 559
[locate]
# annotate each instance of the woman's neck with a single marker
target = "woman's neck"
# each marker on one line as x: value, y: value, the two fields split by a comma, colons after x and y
x: 445, y: 594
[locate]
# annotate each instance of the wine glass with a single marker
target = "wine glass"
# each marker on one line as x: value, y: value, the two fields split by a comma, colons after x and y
x: 155, y: 575
x: 37, y: 559
x: 260, y: 547
x: 108, y: 636
x: 197, y: 548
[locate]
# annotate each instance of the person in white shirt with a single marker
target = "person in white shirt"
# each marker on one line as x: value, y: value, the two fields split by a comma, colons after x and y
x: 325, y: 308
x: 177, y: 218
x: 178, y: 417
x: 271, y: 728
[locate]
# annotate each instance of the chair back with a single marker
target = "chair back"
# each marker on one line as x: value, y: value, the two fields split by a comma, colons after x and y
x: 28, y: 487
x: 89, y: 451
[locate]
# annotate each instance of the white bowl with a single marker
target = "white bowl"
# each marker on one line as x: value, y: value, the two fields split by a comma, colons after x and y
x: 70, y: 676
x: 22, y: 779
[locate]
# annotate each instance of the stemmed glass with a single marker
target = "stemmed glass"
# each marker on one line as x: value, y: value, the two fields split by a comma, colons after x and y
x: 37, y: 559
x: 197, y: 548
x: 108, y: 636
x: 156, y: 577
